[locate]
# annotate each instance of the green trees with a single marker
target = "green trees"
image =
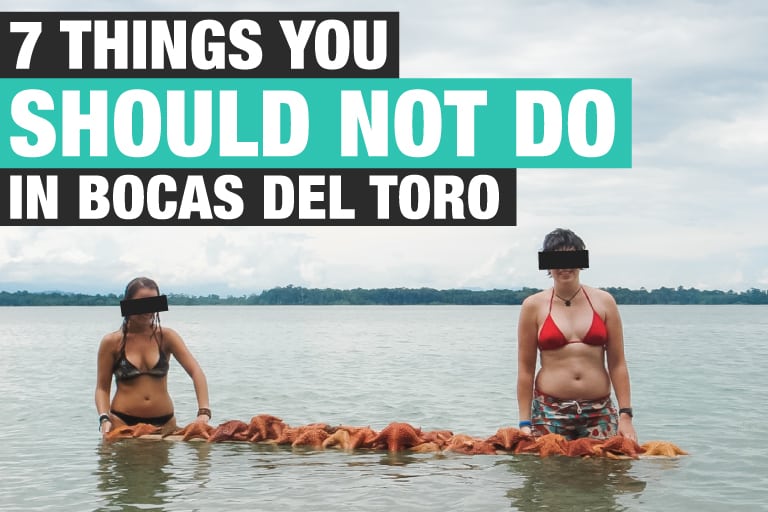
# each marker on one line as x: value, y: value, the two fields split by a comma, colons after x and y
x: 298, y: 295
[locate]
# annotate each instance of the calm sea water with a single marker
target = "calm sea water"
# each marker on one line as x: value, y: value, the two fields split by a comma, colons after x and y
x: 698, y: 379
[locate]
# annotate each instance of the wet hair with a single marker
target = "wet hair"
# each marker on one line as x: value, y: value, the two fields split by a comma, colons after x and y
x: 137, y: 284
x: 133, y: 286
x: 561, y: 239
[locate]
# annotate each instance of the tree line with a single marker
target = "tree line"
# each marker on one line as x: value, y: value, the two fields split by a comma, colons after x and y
x: 298, y: 295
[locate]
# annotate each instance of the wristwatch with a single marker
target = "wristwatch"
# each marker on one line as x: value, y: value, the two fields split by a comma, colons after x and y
x: 627, y: 411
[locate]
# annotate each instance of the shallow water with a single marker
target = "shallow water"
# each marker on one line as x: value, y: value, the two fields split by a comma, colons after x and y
x: 697, y: 373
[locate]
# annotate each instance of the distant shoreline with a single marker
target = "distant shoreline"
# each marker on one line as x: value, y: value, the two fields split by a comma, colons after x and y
x: 298, y: 296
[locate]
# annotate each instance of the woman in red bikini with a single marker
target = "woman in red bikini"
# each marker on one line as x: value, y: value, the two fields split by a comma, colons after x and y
x: 138, y: 355
x: 577, y: 331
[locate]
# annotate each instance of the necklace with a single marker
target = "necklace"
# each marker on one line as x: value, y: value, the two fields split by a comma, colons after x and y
x: 568, y: 301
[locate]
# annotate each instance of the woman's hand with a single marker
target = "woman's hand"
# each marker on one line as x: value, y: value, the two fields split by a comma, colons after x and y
x: 106, y: 426
x: 202, y: 418
x: 626, y: 428
x: 527, y: 431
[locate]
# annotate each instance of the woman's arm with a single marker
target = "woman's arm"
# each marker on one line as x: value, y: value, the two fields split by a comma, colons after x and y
x: 104, y: 363
x: 617, y: 366
x: 184, y: 356
x: 527, y: 351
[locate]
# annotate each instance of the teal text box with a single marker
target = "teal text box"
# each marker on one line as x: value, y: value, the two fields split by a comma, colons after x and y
x: 493, y: 130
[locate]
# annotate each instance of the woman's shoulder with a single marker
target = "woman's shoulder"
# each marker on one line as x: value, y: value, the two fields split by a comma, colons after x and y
x: 537, y: 299
x: 599, y: 296
x: 168, y: 331
x: 170, y: 336
x: 111, y: 340
x: 114, y: 336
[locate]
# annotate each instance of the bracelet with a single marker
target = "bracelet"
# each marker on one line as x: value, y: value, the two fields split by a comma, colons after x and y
x: 204, y: 411
x: 525, y: 423
x: 102, y: 418
x: 627, y: 411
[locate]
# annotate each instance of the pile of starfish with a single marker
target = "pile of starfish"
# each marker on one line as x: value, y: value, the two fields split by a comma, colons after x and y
x: 397, y: 437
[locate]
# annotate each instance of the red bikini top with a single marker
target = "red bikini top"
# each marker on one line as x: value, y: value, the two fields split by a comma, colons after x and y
x: 551, y: 337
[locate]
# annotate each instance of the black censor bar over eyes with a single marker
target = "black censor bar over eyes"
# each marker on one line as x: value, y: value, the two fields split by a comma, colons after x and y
x: 146, y: 305
x: 563, y: 259
x: 200, y: 44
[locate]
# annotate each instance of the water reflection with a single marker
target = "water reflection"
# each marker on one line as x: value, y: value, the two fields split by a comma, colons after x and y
x: 137, y: 474
x: 564, y: 483
x: 134, y: 474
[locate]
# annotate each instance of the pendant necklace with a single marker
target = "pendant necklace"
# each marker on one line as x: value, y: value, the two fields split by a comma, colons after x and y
x: 568, y: 301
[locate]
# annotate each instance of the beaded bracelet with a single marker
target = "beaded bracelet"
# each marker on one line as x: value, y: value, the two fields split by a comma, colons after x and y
x: 204, y: 410
x: 525, y: 423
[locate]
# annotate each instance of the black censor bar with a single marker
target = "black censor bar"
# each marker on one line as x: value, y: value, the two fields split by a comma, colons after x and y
x: 563, y: 259
x: 146, y: 305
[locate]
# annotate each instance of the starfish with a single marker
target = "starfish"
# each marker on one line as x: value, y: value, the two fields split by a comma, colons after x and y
x: 438, y: 437
x: 583, y: 447
x: 232, y: 430
x: 618, y: 447
x: 527, y: 445
x: 664, y: 448
x: 397, y: 436
x: 290, y: 434
x: 287, y: 436
x: 463, y: 443
x: 427, y: 447
x: 120, y: 432
x: 195, y: 430
x: 508, y: 438
x: 265, y: 427
x: 138, y: 430
x: 143, y: 429
x: 313, y: 437
x: 339, y: 438
x: 551, y: 444
x: 361, y: 437
x: 350, y: 438
x: 546, y: 445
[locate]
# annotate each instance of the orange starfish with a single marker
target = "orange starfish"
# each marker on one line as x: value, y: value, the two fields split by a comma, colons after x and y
x: 546, y: 445
x: 361, y: 437
x: 265, y: 427
x: 551, y: 444
x: 508, y: 438
x: 290, y: 434
x: 438, y: 437
x: 527, y: 445
x: 397, y: 436
x: 339, y: 438
x: 619, y: 447
x: 313, y: 437
x: 463, y: 443
x: 195, y: 430
x: 120, y: 432
x: 138, y: 430
x: 664, y: 448
x: 143, y: 429
x: 232, y: 430
x: 350, y: 438
x: 583, y: 447
x: 427, y: 447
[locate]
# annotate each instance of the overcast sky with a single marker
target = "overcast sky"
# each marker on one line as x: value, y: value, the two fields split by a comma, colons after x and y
x: 691, y: 212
